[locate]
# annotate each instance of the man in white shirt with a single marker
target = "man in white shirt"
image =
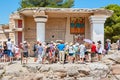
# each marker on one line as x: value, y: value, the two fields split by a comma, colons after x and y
x: 9, y: 48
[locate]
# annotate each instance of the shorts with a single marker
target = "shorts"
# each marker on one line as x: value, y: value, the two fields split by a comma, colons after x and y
x: 71, y: 54
x: 10, y: 54
x: 25, y: 54
x: 82, y: 54
x: 86, y: 53
x: 6, y: 52
x: 93, y: 55
x: 99, y: 53
x: 36, y: 54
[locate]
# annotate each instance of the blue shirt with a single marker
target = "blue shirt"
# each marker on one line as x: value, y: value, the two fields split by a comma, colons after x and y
x: 61, y: 47
x: 40, y: 49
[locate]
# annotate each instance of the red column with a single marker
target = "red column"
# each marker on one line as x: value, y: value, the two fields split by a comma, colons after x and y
x: 19, y: 32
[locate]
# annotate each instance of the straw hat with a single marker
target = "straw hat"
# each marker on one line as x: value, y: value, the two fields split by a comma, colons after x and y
x: 108, y: 40
x: 76, y: 44
x: 71, y: 44
x: 66, y: 43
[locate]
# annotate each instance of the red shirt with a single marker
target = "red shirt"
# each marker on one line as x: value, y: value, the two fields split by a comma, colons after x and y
x: 93, y: 48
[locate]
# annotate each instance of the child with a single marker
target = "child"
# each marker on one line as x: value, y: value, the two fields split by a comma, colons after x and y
x: 16, y: 52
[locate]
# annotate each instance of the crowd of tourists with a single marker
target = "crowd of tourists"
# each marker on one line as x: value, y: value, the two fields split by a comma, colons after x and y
x: 54, y: 52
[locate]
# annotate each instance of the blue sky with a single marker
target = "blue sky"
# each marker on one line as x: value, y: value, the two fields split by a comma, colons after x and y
x: 9, y: 6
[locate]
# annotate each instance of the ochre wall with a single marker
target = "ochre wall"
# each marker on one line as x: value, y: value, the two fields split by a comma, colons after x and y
x: 55, y: 29
x: 29, y: 29
x: 87, y: 28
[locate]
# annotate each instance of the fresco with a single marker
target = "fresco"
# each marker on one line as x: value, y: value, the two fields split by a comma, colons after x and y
x: 77, y: 25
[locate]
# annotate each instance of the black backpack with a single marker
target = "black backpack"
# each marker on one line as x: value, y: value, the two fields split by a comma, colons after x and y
x: 34, y: 47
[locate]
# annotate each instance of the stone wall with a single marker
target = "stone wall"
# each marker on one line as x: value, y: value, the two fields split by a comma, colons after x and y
x: 29, y: 29
x: 55, y: 29
x: 30, y: 32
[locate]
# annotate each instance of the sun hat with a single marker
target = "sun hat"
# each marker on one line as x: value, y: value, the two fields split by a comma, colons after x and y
x: 24, y: 41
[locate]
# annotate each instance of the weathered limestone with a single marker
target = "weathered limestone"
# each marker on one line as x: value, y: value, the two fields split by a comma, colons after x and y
x: 88, y: 71
x: 116, y: 69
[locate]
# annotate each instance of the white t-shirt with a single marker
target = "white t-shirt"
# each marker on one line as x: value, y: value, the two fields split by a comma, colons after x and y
x: 17, y: 50
x: 9, y: 45
x: 71, y: 50
x: 82, y: 48
x: 100, y: 49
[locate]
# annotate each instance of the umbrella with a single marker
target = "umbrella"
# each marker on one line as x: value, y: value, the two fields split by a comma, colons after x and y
x: 88, y: 41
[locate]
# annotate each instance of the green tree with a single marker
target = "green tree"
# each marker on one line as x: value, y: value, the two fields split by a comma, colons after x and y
x: 112, y: 24
x: 46, y: 3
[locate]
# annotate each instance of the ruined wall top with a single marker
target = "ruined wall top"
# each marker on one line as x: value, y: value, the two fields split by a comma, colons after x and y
x: 95, y: 11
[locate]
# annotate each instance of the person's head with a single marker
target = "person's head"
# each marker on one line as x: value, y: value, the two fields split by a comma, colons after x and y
x: 76, y: 44
x: 9, y: 39
x: 40, y: 44
x: 4, y: 43
x: 93, y: 42
x: 24, y: 42
x: 62, y: 42
x: 99, y: 42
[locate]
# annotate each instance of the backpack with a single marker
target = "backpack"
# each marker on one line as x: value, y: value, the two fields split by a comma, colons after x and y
x: 34, y: 47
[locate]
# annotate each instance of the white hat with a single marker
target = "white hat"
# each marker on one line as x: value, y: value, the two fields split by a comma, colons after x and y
x: 24, y: 42
x: 71, y: 44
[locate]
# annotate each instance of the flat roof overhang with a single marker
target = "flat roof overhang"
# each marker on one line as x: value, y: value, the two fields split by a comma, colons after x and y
x: 54, y: 12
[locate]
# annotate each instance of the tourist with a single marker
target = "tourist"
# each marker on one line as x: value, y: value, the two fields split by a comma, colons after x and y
x: 66, y: 51
x: 47, y: 52
x: 107, y: 45
x: 39, y: 52
x: 1, y: 54
x: 56, y: 53
x: 20, y: 46
x: 35, y: 45
x: 93, y: 52
x: 71, y: 53
x: 52, y: 52
x: 99, y: 50
x: 61, y: 48
x: 76, y: 48
x: 82, y: 52
x: 118, y: 44
x: 5, y: 52
x: 44, y: 52
x: 25, y: 52
x: 10, y: 49
x: 17, y: 52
